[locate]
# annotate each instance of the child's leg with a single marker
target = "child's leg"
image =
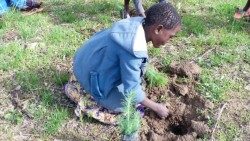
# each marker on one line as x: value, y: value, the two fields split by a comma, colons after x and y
x: 8, y: 2
x: 4, y: 7
x: 20, y: 4
x: 26, y: 4
x: 114, y: 99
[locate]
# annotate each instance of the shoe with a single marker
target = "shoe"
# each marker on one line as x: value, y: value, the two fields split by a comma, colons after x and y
x: 72, y: 92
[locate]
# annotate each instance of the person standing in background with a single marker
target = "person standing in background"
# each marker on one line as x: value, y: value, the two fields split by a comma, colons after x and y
x: 138, y: 6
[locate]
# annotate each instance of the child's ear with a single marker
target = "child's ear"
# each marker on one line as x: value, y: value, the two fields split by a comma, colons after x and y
x: 159, y: 29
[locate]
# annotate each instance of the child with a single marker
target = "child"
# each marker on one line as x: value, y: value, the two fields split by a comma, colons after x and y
x: 110, y: 64
x: 245, y: 12
x: 19, y: 4
x: 138, y: 6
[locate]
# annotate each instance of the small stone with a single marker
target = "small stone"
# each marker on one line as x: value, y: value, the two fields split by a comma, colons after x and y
x: 181, y: 89
x: 31, y: 45
x: 247, y: 87
x: 18, y: 88
x: 209, y: 104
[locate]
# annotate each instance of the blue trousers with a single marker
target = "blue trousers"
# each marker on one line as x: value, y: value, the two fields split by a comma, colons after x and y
x: 114, y: 99
x: 5, y: 5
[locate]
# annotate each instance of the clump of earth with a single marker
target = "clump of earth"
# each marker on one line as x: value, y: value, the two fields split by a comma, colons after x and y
x: 188, y: 109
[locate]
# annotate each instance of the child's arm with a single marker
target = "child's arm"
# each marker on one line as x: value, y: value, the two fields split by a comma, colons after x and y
x: 131, y: 79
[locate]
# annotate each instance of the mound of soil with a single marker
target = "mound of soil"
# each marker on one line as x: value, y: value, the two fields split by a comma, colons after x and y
x: 188, y: 118
x: 188, y: 69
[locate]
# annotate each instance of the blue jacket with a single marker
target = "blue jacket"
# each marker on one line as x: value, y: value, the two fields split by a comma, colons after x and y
x: 114, y: 56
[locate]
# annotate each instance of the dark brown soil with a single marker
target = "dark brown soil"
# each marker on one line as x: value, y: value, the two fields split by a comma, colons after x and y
x: 187, y: 121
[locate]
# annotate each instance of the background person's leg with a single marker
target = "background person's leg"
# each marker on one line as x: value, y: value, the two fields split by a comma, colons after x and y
x: 139, y: 8
x: 126, y: 5
x: 247, y: 6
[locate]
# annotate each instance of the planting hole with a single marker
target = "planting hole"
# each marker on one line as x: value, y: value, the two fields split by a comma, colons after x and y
x: 178, y: 129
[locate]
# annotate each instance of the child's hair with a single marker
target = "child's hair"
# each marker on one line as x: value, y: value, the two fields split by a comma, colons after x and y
x: 162, y: 13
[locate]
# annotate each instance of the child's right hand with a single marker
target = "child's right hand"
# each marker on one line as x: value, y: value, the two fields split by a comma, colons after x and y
x: 162, y: 110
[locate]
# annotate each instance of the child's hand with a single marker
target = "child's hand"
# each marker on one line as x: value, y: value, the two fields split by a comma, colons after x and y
x: 162, y: 110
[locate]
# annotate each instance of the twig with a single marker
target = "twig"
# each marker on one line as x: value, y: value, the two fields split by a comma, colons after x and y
x: 202, y: 55
x: 217, y: 120
x: 15, y: 102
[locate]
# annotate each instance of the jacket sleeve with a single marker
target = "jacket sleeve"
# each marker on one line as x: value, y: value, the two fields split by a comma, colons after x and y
x: 130, y: 67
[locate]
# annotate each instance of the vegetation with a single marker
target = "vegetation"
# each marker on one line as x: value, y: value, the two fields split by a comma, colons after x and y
x: 156, y: 78
x: 36, y: 53
x: 130, y: 120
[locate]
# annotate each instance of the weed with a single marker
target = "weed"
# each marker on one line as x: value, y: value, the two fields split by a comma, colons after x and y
x: 14, y: 117
x: 155, y: 52
x: 155, y: 78
x: 167, y: 60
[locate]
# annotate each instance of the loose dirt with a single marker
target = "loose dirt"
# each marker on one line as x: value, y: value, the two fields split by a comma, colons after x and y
x: 10, y: 36
x: 189, y: 110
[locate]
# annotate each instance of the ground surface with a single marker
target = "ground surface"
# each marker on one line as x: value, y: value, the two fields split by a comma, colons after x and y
x: 36, y: 53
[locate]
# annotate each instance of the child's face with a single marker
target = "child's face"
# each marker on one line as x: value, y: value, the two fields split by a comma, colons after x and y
x: 160, y: 35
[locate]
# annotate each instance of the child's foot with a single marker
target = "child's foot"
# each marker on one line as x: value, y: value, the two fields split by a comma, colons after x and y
x: 72, y: 92
x: 32, y: 4
x: 162, y: 110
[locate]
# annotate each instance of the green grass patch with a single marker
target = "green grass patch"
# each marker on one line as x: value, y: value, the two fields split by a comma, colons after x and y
x: 213, y: 87
x: 29, y: 81
x: 47, y: 98
x: 156, y: 78
x: 220, y: 58
x: 154, y: 52
x: 55, y: 120
x: 247, y: 56
x: 193, y: 25
x: 231, y: 132
x: 61, y: 78
x: 48, y: 115
x: 14, y: 116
